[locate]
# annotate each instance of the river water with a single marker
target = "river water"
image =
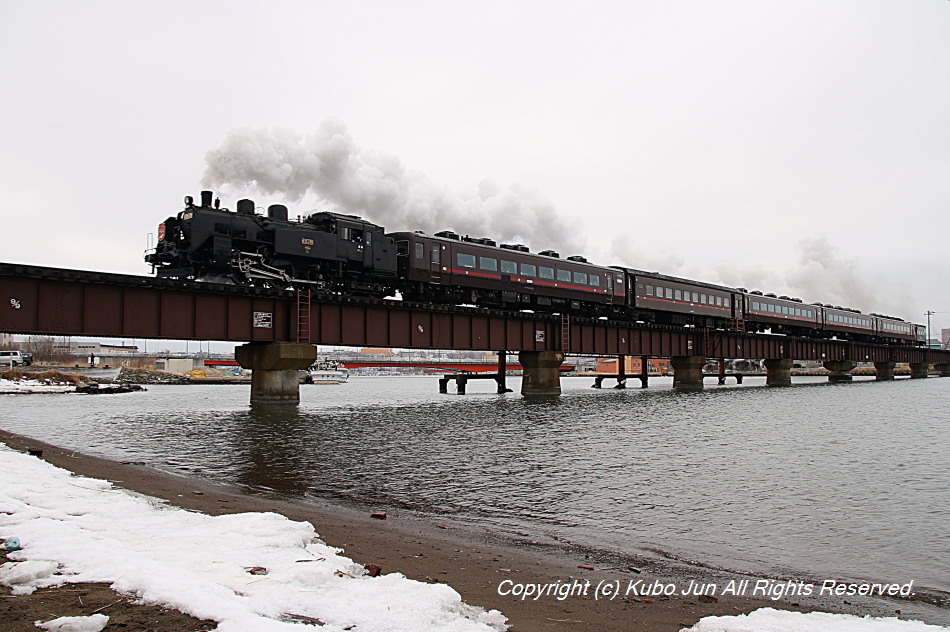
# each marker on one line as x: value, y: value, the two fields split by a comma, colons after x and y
x: 810, y: 481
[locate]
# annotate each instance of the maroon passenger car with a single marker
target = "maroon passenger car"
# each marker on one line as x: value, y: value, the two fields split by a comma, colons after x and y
x: 677, y: 301
x: 468, y: 270
x: 781, y: 314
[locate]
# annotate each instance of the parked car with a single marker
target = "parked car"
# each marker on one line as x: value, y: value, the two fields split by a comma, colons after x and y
x: 13, y: 358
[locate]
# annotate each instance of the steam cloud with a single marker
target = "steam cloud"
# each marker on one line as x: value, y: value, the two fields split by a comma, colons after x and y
x: 821, y: 275
x: 330, y: 166
x: 830, y: 278
x: 344, y: 177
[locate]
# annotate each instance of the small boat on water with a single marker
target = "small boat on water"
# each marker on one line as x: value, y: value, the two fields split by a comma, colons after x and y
x: 326, y: 372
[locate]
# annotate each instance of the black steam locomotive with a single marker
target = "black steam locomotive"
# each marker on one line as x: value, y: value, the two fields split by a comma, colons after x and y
x: 348, y: 255
x: 341, y: 253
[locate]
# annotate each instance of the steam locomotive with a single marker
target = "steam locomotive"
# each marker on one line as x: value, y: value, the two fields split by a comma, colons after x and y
x: 348, y: 255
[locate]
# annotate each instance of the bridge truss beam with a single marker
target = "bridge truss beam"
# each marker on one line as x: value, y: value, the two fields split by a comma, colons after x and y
x: 60, y: 302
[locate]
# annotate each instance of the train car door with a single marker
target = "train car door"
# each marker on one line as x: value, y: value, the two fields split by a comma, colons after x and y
x: 610, y: 288
x: 435, y: 263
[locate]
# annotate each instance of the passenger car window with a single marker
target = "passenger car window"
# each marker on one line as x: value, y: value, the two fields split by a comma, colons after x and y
x: 528, y: 270
x: 466, y: 261
x: 580, y: 277
x: 509, y: 267
x: 564, y: 275
x: 488, y: 263
x: 595, y: 280
x: 545, y: 272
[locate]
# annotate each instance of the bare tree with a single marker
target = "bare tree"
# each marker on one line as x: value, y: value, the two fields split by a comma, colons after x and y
x: 41, y: 347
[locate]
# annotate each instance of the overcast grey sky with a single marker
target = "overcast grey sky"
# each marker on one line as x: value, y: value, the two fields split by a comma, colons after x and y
x: 796, y: 146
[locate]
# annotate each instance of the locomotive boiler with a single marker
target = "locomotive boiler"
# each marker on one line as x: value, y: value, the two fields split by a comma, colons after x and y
x: 340, y: 253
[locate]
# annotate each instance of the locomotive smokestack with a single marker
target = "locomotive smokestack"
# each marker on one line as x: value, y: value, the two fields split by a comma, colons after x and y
x: 206, y: 197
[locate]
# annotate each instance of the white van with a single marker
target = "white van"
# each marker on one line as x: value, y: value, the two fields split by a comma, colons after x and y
x: 11, y: 358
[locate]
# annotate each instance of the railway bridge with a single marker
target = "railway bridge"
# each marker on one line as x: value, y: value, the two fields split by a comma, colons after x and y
x: 279, y: 328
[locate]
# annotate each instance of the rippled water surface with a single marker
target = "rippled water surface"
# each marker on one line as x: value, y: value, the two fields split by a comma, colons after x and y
x: 814, y: 480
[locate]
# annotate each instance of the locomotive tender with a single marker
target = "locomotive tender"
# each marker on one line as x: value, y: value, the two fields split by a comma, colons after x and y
x: 348, y: 255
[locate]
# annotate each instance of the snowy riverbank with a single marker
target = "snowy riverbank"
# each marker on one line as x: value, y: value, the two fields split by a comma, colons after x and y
x: 249, y: 572
x: 252, y: 571
x: 10, y: 387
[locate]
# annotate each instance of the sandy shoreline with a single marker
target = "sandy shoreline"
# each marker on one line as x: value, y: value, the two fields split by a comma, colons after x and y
x: 474, y: 566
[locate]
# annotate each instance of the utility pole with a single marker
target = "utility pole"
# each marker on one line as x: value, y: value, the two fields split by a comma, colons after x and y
x: 929, y: 314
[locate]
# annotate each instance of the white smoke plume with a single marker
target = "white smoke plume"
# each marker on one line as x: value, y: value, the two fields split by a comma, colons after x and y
x: 626, y: 252
x: 330, y: 166
x: 823, y: 273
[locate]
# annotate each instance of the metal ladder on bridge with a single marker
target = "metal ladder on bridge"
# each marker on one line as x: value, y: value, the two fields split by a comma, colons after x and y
x: 712, y: 343
x: 565, y: 333
x: 303, y: 315
x: 738, y: 324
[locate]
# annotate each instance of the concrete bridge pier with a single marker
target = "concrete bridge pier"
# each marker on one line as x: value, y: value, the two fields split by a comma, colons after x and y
x: 885, y: 370
x: 542, y: 372
x: 919, y: 369
x: 688, y: 372
x: 840, y: 370
x: 943, y: 369
x: 274, y: 366
x: 778, y: 372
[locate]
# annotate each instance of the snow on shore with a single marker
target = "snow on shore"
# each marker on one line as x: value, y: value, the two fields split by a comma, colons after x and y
x: 33, y: 386
x: 255, y: 572
x: 772, y: 620
x: 251, y: 572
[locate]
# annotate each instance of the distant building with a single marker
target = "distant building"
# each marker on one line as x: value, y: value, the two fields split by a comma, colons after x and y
x: 87, y: 347
x: 376, y: 351
x: 6, y: 340
x: 945, y: 337
x: 633, y: 365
